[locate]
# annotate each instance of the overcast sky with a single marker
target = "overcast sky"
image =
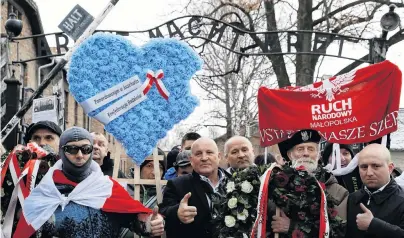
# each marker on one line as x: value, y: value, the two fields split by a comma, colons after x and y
x: 140, y: 15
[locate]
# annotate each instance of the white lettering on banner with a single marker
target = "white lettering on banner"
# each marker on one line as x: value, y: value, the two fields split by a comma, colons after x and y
x: 333, y: 123
x: 271, y: 134
x: 375, y: 129
x: 389, y: 121
x: 338, y: 109
x: 120, y: 107
x: 111, y: 94
x: 332, y: 115
x: 346, y: 134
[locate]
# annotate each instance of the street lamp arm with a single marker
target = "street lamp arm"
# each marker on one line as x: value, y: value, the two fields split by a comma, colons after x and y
x: 396, y: 38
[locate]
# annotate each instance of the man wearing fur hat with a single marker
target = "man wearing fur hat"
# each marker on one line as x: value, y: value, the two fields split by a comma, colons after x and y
x: 302, y: 152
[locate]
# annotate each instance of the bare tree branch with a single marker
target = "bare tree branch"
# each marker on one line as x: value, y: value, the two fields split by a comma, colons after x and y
x: 213, y: 125
x: 317, y: 6
x: 353, y: 4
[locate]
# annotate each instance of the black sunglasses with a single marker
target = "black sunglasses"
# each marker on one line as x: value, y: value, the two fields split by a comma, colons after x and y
x: 73, y: 149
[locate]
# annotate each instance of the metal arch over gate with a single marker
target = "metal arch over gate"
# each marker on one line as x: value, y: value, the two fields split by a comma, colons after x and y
x: 210, y: 30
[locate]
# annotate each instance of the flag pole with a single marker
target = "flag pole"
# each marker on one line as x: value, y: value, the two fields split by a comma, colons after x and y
x: 58, y: 67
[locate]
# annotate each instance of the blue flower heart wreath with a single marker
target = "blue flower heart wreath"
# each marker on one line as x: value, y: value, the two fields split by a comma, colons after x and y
x: 161, y: 70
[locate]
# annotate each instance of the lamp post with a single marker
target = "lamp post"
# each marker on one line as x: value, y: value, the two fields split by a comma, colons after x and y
x: 389, y: 22
x: 12, y: 93
x: 13, y: 25
x: 12, y: 105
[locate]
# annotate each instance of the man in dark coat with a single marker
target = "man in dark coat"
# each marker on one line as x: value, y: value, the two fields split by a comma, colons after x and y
x: 376, y: 210
x: 190, y: 201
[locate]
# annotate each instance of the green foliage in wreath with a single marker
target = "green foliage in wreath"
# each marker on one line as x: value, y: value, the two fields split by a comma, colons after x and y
x: 298, y: 194
x: 238, y: 210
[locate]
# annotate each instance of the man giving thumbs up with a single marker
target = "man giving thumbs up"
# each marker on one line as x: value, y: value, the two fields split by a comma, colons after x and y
x: 187, y: 206
x: 186, y: 213
x: 376, y: 210
x: 363, y: 220
x: 156, y: 223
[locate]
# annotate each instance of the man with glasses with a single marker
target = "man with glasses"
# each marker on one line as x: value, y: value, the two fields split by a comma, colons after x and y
x: 75, y: 199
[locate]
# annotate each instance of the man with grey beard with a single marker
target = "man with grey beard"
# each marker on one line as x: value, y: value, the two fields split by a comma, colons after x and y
x: 302, y: 149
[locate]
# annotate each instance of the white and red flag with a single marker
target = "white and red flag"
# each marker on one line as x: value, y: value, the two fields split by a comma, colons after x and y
x: 96, y: 191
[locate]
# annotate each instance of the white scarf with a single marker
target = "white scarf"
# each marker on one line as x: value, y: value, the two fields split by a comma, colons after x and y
x: 43, y: 201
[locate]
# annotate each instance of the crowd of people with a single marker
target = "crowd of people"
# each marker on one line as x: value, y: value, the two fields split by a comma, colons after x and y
x: 76, y: 196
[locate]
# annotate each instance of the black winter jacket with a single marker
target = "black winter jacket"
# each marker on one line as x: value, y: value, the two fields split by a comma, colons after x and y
x: 387, y: 208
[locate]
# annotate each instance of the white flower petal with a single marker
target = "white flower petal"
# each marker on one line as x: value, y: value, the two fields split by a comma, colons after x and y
x: 229, y: 221
x: 230, y: 187
x: 246, y: 187
x: 232, y: 203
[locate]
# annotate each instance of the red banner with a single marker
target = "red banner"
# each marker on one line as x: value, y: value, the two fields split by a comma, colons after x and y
x: 356, y: 107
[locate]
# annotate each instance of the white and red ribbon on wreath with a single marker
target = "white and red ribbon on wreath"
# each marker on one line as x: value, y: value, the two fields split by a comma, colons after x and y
x: 259, y: 228
x: 129, y: 94
x: 21, y: 189
x: 156, y: 78
x: 324, y: 223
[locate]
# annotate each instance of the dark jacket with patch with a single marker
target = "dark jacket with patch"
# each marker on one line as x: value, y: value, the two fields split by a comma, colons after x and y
x: 387, y: 207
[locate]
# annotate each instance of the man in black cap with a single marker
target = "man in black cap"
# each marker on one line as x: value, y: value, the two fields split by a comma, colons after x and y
x: 44, y: 133
x: 303, y: 149
x: 182, y: 164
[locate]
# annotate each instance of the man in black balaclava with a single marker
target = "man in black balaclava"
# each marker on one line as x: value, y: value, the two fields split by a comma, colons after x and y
x: 75, y: 167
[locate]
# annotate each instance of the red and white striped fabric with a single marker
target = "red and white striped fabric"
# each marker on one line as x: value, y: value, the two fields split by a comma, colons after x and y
x: 21, y: 189
x: 259, y: 228
x: 96, y: 191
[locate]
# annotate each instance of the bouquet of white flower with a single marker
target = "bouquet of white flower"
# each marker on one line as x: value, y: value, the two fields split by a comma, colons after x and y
x: 238, y: 211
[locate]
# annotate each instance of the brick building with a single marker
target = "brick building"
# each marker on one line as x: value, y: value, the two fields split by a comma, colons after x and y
x: 16, y: 55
